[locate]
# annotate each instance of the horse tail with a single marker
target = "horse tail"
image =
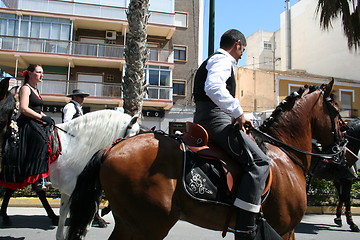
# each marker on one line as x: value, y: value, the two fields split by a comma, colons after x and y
x: 85, y: 198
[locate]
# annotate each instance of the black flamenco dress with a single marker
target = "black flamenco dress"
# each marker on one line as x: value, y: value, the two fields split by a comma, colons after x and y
x: 28, y: 161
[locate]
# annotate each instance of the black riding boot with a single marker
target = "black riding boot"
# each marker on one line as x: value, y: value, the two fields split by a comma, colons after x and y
x: 245, y: 228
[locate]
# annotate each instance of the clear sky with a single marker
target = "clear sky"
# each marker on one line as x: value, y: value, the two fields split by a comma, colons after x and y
x: 248, y: 16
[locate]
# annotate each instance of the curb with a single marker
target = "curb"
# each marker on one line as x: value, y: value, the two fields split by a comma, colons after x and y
x: 35, y: 202
x: 55, y: 203
x: 329, y: 210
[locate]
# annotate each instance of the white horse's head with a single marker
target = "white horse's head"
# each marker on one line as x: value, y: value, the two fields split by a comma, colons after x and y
x: 133, y: 128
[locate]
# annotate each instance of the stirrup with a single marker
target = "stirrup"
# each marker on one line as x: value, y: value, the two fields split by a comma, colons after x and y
x: 245, y: 234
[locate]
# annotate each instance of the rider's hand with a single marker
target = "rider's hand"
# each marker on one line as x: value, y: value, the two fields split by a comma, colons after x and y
x: 47, y: 119
x: 244, y: 124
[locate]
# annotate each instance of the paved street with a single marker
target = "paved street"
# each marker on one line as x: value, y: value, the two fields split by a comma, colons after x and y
x: 32, y: 224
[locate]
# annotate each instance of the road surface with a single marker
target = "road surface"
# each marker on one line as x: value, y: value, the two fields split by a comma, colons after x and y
x: 32, y: 224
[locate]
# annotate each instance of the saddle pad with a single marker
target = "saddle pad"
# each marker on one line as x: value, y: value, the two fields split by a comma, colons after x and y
x: 205, y: 180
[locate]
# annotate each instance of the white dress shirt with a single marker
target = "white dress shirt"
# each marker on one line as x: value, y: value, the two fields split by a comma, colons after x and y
x: 69, y: 110
x: 219, y: 68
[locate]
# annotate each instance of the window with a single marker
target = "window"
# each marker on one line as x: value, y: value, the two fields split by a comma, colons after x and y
x: 347, y: 97
x: 180, y: 53
x: 293, y: 88
x: 45, y: 27
x: 181, y: 19
x: 153, y: 51
x: 8, y: 24
x: 268, y: 45
x: 159, y: 79
x: 179, y: 87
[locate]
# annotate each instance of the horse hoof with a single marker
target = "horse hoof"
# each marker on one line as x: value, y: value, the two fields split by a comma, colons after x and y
x: 338, y: 221
x: 354, y: 228
x: 102, y: 224
x: 55, y: 220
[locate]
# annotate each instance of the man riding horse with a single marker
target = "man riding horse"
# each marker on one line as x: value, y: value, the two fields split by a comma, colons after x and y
x: 217, y: 110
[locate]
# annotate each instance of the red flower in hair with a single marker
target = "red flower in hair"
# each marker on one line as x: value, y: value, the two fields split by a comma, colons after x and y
x: 24, y: 73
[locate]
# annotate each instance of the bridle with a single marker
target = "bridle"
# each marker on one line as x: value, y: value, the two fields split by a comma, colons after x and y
x: 333, y: 152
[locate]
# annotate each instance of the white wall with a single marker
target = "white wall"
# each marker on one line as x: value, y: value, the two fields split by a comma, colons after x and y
x: 315, y: 50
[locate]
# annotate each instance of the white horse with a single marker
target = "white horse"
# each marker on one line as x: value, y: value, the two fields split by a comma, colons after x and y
x: 83, y: 137
x: 80, y: 139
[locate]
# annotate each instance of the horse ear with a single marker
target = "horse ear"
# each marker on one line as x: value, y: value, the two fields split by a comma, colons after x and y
x: 133, y: 120
x: 328, y: 88
x: 4, y: 86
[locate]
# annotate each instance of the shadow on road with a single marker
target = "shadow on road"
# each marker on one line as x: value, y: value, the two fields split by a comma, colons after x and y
x: 34, y: 222
x: 11, y: 238
x: 311, y: 228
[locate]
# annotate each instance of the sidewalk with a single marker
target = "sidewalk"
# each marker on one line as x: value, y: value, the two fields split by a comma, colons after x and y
x: 55, y: 202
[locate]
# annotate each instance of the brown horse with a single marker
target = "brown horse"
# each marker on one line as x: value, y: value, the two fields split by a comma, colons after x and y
x: 142, y: 176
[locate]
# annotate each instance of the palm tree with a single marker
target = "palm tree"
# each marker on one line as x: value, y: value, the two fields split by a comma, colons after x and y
x: 350, y: 13
x: 136, y: 55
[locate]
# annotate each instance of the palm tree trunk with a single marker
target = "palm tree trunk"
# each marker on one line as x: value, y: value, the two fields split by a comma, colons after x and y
x: 136, y: 55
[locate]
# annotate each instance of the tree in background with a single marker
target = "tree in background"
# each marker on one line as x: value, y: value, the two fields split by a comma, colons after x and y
x: 136, y: 55
x: 350, y: 13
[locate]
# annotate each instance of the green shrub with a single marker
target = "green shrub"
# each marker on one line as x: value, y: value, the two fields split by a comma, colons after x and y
x: 321, y: 192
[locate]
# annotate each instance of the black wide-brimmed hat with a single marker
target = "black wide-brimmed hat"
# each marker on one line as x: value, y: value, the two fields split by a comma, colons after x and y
x: 78, y: 92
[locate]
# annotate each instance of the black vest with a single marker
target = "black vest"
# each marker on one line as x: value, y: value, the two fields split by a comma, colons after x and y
x: 200, y: 78
x: 77, y: 113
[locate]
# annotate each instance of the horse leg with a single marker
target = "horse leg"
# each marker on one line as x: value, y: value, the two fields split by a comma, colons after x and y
x: 4, y: 205
x: 42, y: 196
x: 64, y: 210
x: 337, y: 219
x: 347, y: 183
x: 120, y: 232
x: 291, y: 235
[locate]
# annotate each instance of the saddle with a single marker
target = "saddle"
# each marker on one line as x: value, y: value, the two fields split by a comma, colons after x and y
x: 210, y: 174
x: 197, y: 140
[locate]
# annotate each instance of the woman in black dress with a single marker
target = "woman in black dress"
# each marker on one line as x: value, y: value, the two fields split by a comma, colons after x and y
x: 31, y: 163
x: 28, y: 162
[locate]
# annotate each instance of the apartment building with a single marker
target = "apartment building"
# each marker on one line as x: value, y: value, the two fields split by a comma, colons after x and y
x: 80, y: 44
x: 300, y: 53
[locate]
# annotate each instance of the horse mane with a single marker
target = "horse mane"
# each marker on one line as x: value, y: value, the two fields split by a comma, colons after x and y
x: 286, y: 105
x: 88, y: 134
x: 8, y: 104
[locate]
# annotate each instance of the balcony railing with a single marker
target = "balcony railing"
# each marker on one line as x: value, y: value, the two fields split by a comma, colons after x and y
x: 76, y: 48
x: 61, y: 87
x: 94, y: 89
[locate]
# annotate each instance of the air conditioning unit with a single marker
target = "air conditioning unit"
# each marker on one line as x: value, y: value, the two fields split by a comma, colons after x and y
x: 111, y: 35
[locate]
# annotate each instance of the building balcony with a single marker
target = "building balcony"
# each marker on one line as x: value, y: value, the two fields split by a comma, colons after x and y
x: 73, y: 49
x: 92, y: 14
